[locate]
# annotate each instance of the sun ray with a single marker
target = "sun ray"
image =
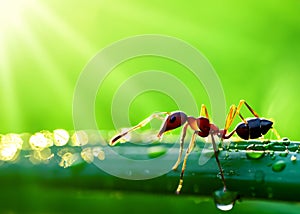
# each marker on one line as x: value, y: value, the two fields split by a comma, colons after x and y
x: 11, y: 114
x: 15, y: 23
x: 70, y: 36
x: 53, y: 73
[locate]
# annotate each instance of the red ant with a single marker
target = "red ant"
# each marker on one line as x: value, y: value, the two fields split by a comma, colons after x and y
x: 249, y: 128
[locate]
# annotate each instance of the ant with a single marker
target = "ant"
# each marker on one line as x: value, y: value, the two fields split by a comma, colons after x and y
x: 249, y: 128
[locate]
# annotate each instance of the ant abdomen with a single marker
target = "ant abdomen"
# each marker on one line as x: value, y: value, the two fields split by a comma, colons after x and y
x: 254, y: 128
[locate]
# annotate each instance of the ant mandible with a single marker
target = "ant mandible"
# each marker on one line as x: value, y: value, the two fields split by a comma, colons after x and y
x: 249, y: 128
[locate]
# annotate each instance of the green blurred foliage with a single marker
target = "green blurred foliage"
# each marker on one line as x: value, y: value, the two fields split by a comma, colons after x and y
x: 254, y: 48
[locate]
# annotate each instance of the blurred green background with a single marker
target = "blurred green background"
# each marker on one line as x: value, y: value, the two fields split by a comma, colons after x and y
x: 254, y: 47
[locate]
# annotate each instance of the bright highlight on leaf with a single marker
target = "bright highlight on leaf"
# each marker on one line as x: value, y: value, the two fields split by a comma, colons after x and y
x: 99, y: 153
x: 40, y: 140
x: 61, y: 137
x: 10, y: 144
x: 87, y: 155
x: 68, y: 159
x: 79, y: 138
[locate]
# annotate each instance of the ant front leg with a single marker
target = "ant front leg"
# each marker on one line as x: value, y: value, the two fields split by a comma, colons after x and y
x: 188, y: 151
x: 119, y: 136
x: 183, y: 134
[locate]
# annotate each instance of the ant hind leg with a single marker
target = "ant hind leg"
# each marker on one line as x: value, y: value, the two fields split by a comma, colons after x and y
x: 248, y: 106
x: 276, y: 133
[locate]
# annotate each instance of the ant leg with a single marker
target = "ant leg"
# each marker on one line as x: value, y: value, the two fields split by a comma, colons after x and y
x: 228, y: 136
x: 204, y: 111
x: 276, y: 133
x: 118, y: 137
x: 242, y: 118
x: 229, y: 122
x: 247, y: 105
x: 255, y: 114
x: 183, y: 134
x: 230, y: 117
x: 188, y: 151
x: 218, y: 161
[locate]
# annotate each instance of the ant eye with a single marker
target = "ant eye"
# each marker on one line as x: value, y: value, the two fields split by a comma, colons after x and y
x: 172, y: 119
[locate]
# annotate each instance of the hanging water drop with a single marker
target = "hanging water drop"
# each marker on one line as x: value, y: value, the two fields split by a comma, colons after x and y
x: 225, y: 200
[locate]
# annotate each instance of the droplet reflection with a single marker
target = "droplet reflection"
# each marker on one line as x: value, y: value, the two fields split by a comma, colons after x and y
x: 225, y: 200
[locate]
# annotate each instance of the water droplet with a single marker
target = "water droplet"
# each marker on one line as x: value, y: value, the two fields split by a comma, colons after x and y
x: 156, y: 151
x: 293, y: 147
x: 226, y: 207
x: 225, y: 200
x: 293, y: 158
x: 279, y: 166
x: 286, y: 141
x: 227, y: 156
x: 284, y: 154
x: 253, y: 152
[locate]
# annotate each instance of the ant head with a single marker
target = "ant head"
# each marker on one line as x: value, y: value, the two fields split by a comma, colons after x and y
x: 173, y: 121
